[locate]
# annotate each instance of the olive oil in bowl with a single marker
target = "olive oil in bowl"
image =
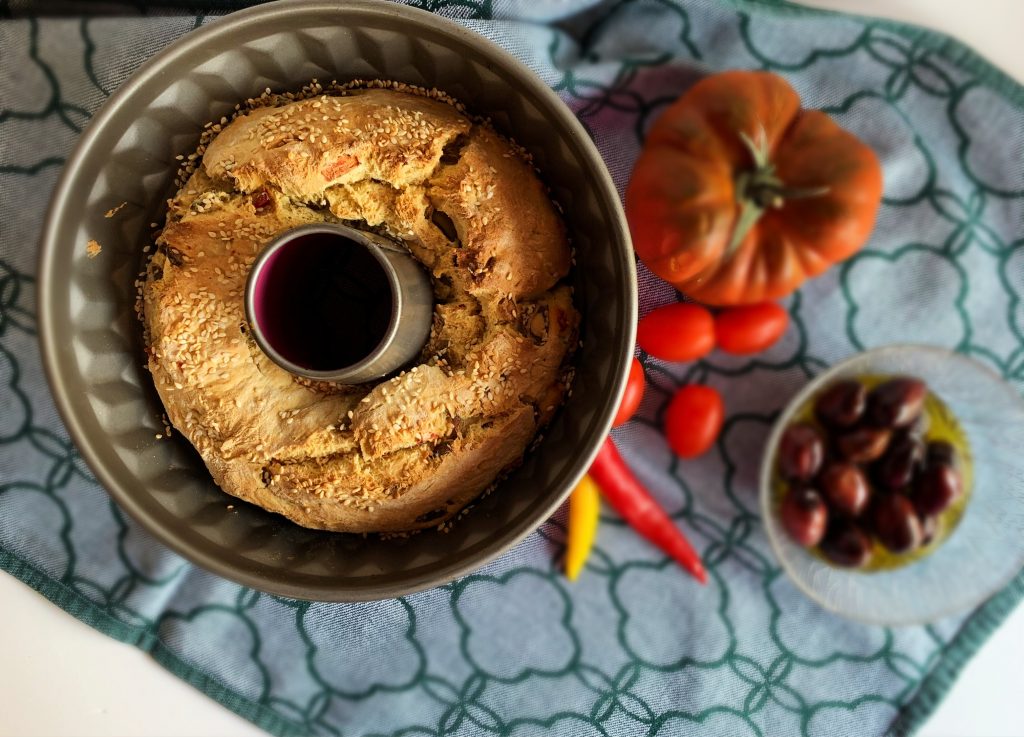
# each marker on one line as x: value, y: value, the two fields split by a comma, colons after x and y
x: 944, y: 457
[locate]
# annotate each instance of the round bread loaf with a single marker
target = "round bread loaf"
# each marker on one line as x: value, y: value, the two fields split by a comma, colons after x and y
x: 410, y: 451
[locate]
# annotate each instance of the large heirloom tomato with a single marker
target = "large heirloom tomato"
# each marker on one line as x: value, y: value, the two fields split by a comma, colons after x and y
x: 740, y: 194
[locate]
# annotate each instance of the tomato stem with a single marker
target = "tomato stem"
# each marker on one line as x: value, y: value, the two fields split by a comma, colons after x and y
x: 761, y: 189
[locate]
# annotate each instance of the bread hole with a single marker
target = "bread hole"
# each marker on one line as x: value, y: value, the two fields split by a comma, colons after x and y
x: 442, y: 449
x: 365, y: 227
x: 283, y: 140
x: 533, y: 404
x: 533, y: 323
x: 266, y: 476
x: 175, y: 256
x: 322, y: 205
x: 452, y: 151
x: 432, y: 515
x: 443, y: 222
x: 444, y: 287
x: 156, y: 273
x: 480, y: 273
x: 538, y: 326
x: 359, y: 224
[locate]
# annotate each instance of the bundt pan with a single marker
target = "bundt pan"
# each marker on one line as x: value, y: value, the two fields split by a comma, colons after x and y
x: 91, y: 338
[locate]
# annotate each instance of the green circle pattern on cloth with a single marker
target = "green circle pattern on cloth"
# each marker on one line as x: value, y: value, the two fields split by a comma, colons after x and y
x: 634, y: 647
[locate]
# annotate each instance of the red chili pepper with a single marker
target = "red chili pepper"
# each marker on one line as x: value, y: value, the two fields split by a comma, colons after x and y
x: 636, y: 505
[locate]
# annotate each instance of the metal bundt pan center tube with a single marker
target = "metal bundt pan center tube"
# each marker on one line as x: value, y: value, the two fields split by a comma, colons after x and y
x: 410, y: 304
x: 92, y: 340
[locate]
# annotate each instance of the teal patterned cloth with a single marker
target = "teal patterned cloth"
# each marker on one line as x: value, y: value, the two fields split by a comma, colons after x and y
x: 634, y: 647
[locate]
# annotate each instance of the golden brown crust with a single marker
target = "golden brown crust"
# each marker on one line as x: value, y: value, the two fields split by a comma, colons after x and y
x: 405, y: 453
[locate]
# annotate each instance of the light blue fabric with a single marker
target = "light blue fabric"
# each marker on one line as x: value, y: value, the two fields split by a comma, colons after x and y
x: 634, y: 647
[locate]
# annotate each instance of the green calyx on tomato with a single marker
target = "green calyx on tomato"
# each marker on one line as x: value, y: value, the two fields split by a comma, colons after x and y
x: 759, y: 189
x: 740, y: 194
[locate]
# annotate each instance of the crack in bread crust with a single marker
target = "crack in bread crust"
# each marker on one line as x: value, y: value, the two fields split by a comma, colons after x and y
x: 411, y: 451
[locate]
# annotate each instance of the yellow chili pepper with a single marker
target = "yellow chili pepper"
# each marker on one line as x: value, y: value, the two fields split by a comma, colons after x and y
x: 584, y: 508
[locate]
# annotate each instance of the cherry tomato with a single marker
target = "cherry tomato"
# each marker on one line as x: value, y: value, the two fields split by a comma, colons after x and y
x: 677, y: 332
x: 693, y: 420
x: 632, y: 396
x: 751, y: 328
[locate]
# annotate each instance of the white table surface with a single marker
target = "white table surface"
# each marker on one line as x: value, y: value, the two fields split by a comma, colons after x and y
x: 60, y: 678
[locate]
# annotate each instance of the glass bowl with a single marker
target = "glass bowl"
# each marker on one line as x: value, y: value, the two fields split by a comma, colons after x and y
x: 986, y: 548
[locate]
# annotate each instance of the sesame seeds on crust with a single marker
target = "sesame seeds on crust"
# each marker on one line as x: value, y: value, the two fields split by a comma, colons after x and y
x: 409, y: 452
